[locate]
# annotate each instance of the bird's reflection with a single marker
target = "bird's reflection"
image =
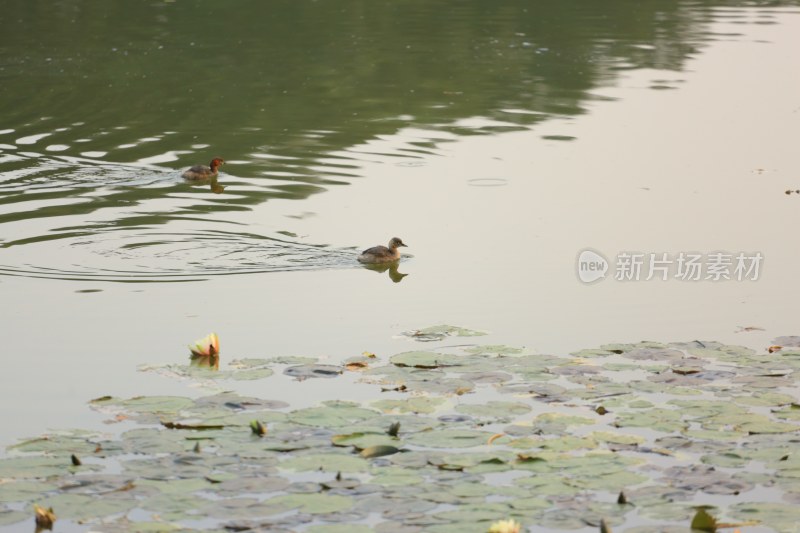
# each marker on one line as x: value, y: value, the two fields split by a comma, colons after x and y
x: 212, y: 182
x: 216, y: 188
x: 394, y: 274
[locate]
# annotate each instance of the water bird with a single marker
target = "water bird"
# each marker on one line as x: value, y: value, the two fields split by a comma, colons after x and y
x: 382, y: 254
x: 202, y: 172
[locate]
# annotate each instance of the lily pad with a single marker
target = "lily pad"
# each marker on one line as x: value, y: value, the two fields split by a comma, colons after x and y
x: 494, y: 409
x: 70, y: 441
x: 332, y: 415
x: 426, y: 360
x: 8, y: 517
x: 340, y: 528
x: 23, y: 491
x: 418, y: 404
x: 362, y: 440
x: 450, y: 438
x: 437, y: 333
x: 144, y: 408
x: 82, y: 507
x: 302, y: 372
x: 313, y: 503
x: 678, y: 422
x: 326, y: 462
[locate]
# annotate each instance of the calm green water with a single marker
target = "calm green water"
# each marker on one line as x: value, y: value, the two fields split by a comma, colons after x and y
x: 102, y: 101
x: 498, y: 139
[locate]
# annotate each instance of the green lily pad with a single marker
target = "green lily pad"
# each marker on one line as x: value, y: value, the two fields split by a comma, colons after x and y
x: 494, y: 349
x: 494, y: 409
x: 313, y: 503
x: 663, y: 420
x: 150, y: 440
x: 82, y: 507
x: 567, y: 443
x: 484, y: 512
x: 332, y: 415
x: 339, y: 528
x: 75, y: 441
x: 249, y: 485
x: 759, y: 425
x: 170, y: 486
x: 450, y: 438
x: 34, y: 467
x: 417, y: 404
x: 617, y: 438
x: 9, y: 517
x: 426, y: 360
x: 364, y: 440
x: 302, y: 372
x: 326, y: 462
x: 725, y: 460
x: 158, y: 405
x: 396, y: 477
x: 24, y: 491
x: 437, y: 333
x: 781, y: 516
x: 124, y: 525
x: 544, y: 485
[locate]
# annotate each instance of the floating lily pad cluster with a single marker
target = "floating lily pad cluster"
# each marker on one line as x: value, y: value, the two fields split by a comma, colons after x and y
x: 635, y: 436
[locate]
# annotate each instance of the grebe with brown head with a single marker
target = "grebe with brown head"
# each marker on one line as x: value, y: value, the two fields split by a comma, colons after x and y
x: 382, y: 254
x: 202, y: 172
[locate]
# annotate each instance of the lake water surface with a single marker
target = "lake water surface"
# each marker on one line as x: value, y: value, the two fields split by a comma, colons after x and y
x: 498, y: 140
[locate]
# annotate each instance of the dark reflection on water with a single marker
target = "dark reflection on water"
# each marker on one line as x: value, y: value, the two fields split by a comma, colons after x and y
x: 392, y: 270
x: 103, y: 103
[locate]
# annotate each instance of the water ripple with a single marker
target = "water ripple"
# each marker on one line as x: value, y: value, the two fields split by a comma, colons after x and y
x: 68, y: 210
x: 161, y: 256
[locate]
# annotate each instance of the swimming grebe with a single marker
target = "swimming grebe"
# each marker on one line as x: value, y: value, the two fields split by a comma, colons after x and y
x: 202, y: 172
x: 382, y: 254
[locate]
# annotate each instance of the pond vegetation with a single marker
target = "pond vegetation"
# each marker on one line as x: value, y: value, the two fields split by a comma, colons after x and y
x: 636, y: 437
